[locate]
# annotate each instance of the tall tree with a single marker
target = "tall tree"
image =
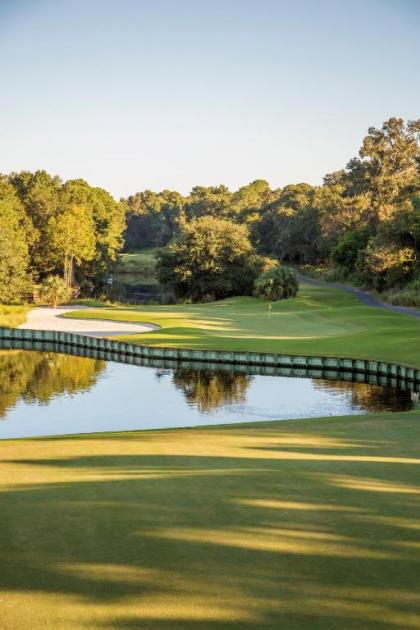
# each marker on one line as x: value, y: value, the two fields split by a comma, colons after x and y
x: 71, y: 230
x: 39, y: 193
x: 152, y: 218
x: 14, y: 256
x: 109, y: 223
x: 289, y: 225
x: 387, y: 167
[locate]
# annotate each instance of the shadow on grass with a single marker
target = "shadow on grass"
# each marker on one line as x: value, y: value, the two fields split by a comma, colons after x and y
x: 204, y: 542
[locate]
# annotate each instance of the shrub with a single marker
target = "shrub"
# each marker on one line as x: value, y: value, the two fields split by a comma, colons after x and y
x: 53, y: 291
x: 387, y: 266
x: 279, y: 283
x: 347, y: 251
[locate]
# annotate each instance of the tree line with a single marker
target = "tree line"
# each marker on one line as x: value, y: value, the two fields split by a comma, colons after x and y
x: 50, y: 228
x: 363, y: 223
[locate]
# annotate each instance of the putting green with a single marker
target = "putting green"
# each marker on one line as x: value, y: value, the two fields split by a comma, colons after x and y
x: 320, y: 321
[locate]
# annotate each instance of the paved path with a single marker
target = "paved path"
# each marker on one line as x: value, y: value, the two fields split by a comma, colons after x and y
x: 44, y: 318
x: 363, y: 296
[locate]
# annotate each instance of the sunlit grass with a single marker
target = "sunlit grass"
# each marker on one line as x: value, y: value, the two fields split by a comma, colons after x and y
x: 320, y: 321
x: 12, y: 316
x: 304, y: 525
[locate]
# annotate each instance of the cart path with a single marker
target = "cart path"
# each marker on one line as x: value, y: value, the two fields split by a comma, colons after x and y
x: 363, y: 296
x: 44, y: 318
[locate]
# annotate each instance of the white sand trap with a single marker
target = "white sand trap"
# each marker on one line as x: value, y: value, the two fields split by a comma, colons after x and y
x: 44, y: 318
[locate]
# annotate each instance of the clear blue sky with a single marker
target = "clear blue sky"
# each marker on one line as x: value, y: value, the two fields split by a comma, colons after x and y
x: 160, y: 94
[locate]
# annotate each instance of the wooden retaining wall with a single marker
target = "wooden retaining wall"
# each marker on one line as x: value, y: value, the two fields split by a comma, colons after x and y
x: 378, y: 372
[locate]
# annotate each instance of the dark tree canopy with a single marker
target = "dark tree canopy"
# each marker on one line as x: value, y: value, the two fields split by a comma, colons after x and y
x: 211, y: 259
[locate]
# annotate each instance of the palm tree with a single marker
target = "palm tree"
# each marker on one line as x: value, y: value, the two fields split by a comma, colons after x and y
x: 275, y: 284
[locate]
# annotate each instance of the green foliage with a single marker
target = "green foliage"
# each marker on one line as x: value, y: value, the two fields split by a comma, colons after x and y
x: 12, y: 316
x: 386, y: 265
x: 364, y: 220
x: 279, y: 283
x: 39, y: 194
x: 209, y: 201
x: 109, y: 224
x: 372, y: 200
x: 387, y: 167
x: 71, y: 232
x: 211, y: 259
x: 346, y: 252
x: 53, y: 291
x: 15, y: 282
x: 152, y: 218
x: 289, y: 225
x: 71, y: 229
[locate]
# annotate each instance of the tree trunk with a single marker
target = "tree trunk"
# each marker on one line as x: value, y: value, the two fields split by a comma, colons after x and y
x: 68, y: 270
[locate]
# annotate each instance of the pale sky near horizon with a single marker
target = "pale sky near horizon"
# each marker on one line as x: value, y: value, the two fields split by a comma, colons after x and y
x: 162, y: 94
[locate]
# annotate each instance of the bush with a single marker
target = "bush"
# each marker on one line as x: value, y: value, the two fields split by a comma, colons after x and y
x: 386, y: 266
x: 278, y: 283
x: 347, y: 251
x: 54, y: 291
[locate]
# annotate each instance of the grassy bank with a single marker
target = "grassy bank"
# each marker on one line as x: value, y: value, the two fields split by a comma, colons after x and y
x: 298, y: 525
x: 12, y: 316
x: 137, y: 268
x: 320, y: 321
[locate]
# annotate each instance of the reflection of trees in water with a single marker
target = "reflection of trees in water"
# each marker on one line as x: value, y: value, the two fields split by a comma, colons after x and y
x: 367, y: 396
x: 38, y: 376
x: 209, y: 390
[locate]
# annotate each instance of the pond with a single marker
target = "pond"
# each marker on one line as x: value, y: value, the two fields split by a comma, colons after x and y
x: 50, y: 393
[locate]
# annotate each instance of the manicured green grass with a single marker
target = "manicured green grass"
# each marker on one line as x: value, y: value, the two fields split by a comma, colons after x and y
x: 321, y: 321
x: 12, y: 316
x: 137, y: 268
x: 301, y: 525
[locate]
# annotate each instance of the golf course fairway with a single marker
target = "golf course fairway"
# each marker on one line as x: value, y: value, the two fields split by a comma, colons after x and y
x: 301, y: 525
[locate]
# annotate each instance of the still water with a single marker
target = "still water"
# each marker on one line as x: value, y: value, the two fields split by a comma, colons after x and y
x: 47, y: 393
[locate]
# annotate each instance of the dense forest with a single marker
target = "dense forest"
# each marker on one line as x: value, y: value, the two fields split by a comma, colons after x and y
x: 362, y: 224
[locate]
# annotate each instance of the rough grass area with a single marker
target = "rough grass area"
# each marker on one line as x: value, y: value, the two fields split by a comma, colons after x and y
x: 320, y: 321
x: 137, y: 268
x: 297, y: 525
x: 403, y: 297
x: 12, y: 316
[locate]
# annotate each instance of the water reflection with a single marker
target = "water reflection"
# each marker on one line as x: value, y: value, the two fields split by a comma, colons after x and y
x: 370, y: 397
x: 207, y: 389
x: 39, y: 376
x: 59, y: 390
